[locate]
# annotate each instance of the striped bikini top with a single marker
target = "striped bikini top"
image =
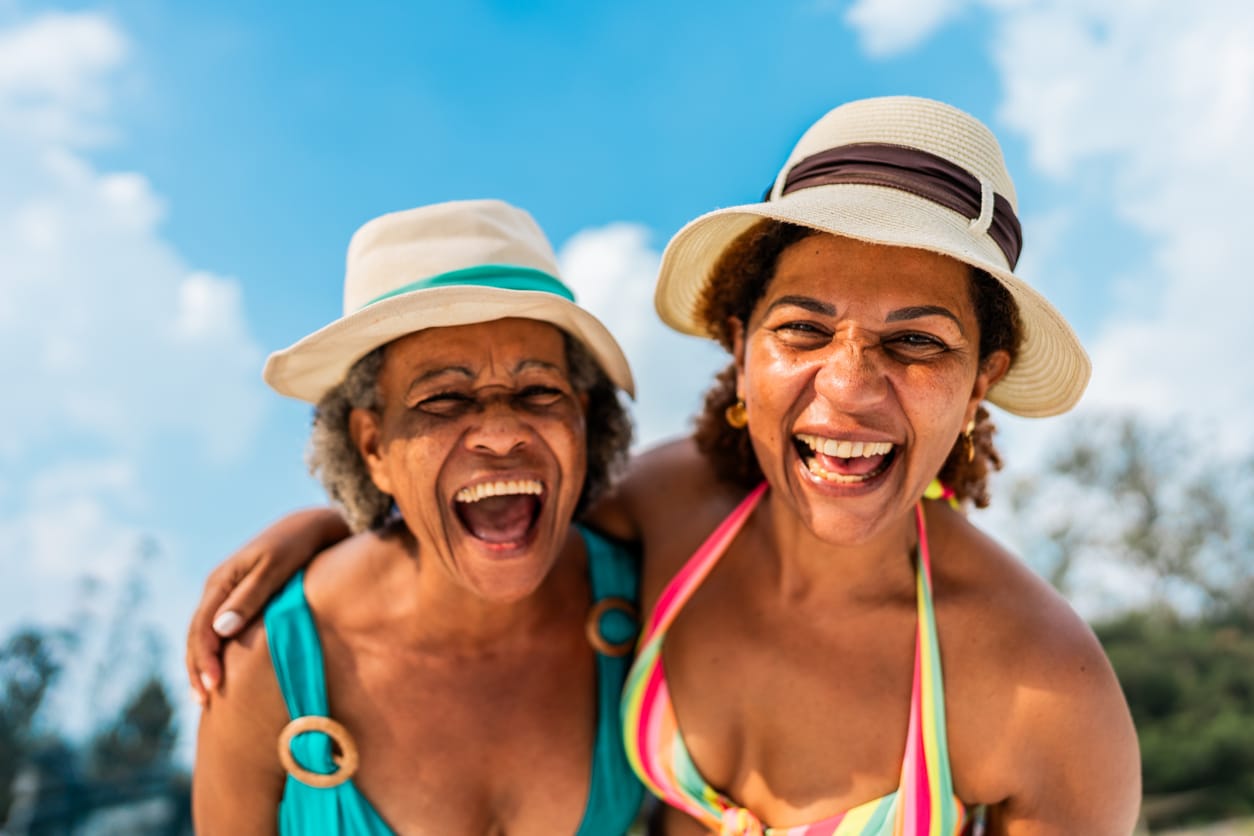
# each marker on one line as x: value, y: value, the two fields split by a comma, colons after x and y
x: 923, y: 804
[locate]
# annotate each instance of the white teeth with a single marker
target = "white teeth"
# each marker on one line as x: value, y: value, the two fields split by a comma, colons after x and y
x: 839, y: 478
x: 845, y: 449
x: 512, y: 487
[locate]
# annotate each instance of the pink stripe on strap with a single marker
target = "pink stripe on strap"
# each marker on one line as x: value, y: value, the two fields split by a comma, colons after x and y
x: 685, y: 582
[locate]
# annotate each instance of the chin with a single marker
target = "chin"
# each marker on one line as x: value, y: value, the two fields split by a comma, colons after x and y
x: 508, y: 575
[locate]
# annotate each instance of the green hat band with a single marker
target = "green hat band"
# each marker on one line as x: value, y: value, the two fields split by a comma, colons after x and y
x: 500, y: 276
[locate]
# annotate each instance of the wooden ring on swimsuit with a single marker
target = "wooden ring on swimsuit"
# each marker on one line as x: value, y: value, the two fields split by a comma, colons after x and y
x: 598, y: 641
x: 346, y: 759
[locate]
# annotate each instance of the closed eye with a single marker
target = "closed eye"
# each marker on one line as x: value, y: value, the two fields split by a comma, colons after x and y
x: 802, y: 332
x: 540, y: 395
x: 916, y: 345
x: 446, y: 403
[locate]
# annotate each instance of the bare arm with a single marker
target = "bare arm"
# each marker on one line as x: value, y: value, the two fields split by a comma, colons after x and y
x: 239, y: 587
x: 238, y: 781
x: 1077, y: 768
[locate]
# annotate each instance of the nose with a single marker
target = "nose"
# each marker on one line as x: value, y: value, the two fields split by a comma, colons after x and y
x: 500, y: 429
x: 852, y: 375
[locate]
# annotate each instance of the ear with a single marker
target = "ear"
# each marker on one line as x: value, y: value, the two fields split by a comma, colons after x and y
x: 363, y: 426
x: 992, y: 369
x: 736, y: 329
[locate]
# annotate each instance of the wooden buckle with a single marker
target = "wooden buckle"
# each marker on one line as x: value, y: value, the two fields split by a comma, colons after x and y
x: 595, y: 637
x: 346, y: 758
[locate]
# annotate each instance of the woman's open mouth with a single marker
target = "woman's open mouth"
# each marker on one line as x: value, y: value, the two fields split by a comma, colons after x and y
x: 842, y: 462
x: 501, y: 514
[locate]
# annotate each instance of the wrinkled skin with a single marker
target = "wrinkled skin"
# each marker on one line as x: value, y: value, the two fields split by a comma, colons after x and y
x: 459, y: 665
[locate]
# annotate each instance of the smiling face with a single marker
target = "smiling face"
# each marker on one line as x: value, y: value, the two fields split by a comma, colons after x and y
x: 481, y: 442
x: 859, y: 367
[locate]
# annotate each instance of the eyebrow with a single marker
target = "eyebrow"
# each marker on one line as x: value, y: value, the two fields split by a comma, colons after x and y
x: 813, y: 305
x: 808, y: 303
x: 463, y: 371
x: 921, y: 311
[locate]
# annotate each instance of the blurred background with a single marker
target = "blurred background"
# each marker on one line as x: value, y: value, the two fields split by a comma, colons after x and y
x: 179, y: 181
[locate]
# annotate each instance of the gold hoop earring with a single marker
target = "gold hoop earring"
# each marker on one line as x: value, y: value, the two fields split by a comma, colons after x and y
x: 969, y: 441
x: 736, y: 415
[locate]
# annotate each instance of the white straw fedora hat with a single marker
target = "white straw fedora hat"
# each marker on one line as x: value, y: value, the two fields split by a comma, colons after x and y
x: 456, y: 263
x: 906, y: 172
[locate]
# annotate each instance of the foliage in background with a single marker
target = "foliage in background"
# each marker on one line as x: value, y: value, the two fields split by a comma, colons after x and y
x: 51, y: 782
x: 1160, y: 531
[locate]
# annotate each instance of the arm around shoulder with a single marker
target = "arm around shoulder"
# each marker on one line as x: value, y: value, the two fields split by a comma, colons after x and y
x: 238, y: 588
x: 237, y: 781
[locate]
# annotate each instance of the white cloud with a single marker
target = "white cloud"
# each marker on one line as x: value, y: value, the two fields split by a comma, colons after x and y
x: 888, y: 27
x: 105, y: 332
x: 613, y: 270
x: 116, y: 355
x: 53, y: 75
x: 1158, y: 98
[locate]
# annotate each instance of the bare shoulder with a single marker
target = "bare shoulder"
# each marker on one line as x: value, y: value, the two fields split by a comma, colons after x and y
x: 351, y: 584
x: 633, y: 503
x: 1040, y: 725
x: 676, y: 500
x: 236, y: 752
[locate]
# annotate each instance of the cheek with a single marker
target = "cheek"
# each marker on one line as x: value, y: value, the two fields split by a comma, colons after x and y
x: 569, y: 443
x: 774, y: 382
x: 935, y: 402
x: 414, y: 467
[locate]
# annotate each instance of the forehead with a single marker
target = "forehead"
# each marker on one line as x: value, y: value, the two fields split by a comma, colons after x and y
x: 844, y: 271
x: 504, y: 343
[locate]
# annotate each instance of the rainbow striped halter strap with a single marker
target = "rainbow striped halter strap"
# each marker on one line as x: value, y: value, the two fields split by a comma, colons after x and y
x: 923, y: 804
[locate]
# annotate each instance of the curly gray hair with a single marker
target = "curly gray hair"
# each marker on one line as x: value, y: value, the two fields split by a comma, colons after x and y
x: 334, y: 459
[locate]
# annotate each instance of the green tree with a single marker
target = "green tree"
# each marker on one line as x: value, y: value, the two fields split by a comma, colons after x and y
x: 29, y: 666
x: 140, y: 739
x: 1174, y: 526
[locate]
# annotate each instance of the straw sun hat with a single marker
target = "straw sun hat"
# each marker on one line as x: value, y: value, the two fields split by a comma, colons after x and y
x: 456, y: 263
x: 905, y: 172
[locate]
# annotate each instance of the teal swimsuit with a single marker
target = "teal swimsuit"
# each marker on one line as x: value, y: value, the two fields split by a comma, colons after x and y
x: 614, y: 795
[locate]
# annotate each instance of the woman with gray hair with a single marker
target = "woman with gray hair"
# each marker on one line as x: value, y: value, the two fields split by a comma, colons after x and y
x: 455, y: 665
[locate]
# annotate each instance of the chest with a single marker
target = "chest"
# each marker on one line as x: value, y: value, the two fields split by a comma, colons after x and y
x: 804, y: 713
x: 497, y: 745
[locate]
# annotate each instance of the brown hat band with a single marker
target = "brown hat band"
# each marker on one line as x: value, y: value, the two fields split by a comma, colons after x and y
x: 917, y: 172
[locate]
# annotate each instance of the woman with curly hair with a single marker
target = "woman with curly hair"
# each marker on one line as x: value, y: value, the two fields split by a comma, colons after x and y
x: 831, y: 647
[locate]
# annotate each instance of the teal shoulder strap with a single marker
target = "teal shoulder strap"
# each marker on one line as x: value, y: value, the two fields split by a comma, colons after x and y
x: 296, y: 654
x: 615, y: 793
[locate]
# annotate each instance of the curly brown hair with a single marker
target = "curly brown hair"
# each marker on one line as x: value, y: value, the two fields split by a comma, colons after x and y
x: 334, y: 459
x: 739, y: 279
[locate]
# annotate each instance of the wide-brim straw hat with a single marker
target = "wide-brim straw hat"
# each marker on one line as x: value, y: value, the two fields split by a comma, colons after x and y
x: 456, y: 263
x: 906, y: 172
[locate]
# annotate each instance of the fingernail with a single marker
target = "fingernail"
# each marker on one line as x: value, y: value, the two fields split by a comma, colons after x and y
x: 207, y: 681
x: 228, y: 623
x: 198, y: 697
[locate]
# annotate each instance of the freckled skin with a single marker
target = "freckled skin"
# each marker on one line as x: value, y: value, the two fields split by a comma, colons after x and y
x: 858, y: 372
x: 790, y: 668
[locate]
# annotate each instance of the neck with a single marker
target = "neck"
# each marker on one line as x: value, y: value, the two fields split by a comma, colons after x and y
x: 876, y: 566
x: 424, y: 608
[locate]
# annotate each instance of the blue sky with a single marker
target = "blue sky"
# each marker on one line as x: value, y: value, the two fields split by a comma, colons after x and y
x: 178, y: 183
